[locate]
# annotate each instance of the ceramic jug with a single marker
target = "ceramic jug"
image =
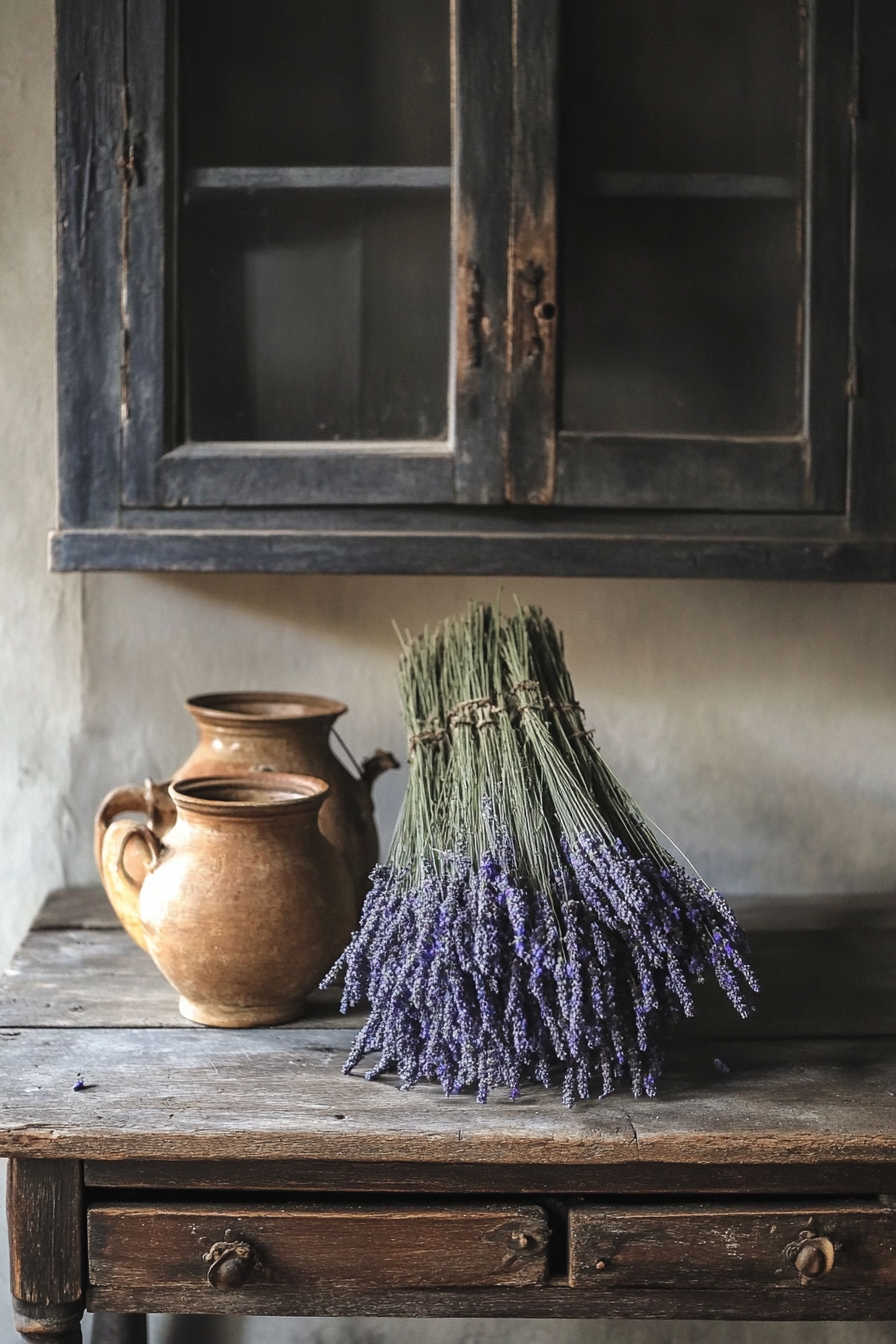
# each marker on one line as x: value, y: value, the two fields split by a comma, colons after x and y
x: 243, y: 905
x: 242, y: 731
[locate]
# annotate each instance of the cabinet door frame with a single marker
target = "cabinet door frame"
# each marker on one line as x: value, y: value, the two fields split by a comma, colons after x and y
x: 731, y: 473
x: 114, y: 337
x: 138, y: 58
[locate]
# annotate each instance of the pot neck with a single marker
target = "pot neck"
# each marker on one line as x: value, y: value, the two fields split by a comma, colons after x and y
x: 312, y: 728
x: 267, y: 797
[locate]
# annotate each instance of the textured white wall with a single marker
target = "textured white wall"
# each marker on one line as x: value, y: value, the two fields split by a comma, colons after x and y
x: 756, y: 722
x: 40, y: 624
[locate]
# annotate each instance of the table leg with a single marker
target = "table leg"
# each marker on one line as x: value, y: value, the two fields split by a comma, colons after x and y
x: 45, y: 1213
x: 118, y: 1327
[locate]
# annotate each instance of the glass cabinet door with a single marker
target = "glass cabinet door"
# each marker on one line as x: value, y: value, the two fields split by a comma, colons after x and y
x: 338, y: 300
x: 491, y: 286
x: 315, y: 161
x: 700, y: 256
x: 682, y: 234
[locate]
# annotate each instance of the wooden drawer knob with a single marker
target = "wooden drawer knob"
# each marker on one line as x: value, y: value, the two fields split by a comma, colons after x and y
x: 811, y: 1256
x: 229, y: 1264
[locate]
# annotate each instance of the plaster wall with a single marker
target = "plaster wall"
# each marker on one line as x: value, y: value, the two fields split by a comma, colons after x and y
x: 756, y: 722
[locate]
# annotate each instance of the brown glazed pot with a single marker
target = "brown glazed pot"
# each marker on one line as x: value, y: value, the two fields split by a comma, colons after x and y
x: 243, y: 731
x: 244, y: 904
x: 270, y: 730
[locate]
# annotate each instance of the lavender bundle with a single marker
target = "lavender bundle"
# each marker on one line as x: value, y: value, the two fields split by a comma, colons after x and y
x: 527, y: 924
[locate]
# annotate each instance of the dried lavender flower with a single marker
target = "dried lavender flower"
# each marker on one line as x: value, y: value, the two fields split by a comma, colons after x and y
x: 528, y: 925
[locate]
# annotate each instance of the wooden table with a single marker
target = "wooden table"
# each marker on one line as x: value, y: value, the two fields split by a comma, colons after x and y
x: 240, y: 1171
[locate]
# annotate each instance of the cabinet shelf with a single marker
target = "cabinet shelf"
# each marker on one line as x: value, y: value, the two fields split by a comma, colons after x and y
x: 705, y: 186
x: 200, y: 181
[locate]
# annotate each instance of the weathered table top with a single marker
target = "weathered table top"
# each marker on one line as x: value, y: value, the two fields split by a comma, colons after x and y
x: 811, y: 1081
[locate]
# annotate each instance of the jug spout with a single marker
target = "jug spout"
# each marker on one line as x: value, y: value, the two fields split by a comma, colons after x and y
x: 377, y: 764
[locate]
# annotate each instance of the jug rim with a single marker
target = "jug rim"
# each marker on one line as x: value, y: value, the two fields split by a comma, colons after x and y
x: 270, y: 707
x: 251, y: 794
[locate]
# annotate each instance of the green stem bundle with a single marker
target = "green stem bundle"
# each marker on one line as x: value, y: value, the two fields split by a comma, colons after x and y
x: 527, y: 920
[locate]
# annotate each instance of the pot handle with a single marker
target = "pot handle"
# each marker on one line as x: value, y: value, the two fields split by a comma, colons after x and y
x: 153, y: 800
x: 121, y: 888
x: 377, y: 764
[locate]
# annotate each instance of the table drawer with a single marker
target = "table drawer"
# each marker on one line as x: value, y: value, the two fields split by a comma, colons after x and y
x: 832, y: 1245
x: 234, y: 1246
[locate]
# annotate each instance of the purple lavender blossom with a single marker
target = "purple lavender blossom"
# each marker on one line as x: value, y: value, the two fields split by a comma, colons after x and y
x: 477, y: 978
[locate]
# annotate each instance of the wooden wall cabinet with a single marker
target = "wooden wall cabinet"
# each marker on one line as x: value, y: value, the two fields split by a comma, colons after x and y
x: 514, y: 286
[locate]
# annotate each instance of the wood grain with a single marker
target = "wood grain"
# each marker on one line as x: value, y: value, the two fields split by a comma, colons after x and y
x: 279, y: 177
x: 44, y: 1214
x: 90, y: 125
x: 242, y: 1095
x: 681, y: 1246
x: 96, y: 976
x: 257, y: 474
x: 421, y: 545
x: 76, y: 908
x: 481, y: 204
x: 301, y: 1245
x: 826, y: 311
x: 533, y: 319
x: 873, y: 457
x: 99, y: 977
x: 553, y: 1302
x: 677, y: 472
x: 428, y: 1178
x: 147, y: 252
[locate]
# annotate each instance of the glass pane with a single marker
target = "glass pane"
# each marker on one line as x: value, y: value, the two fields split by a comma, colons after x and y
x: 315, y: 280
x: 681, y: 318
x: 318, y: 315
x: 315, y: 82
x: 681, y: 222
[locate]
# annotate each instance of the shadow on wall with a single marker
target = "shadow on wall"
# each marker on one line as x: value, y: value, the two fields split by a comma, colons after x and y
x: 756, y: 722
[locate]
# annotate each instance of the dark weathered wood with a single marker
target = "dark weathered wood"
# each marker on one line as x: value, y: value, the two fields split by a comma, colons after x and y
x: 554, y: 1302
x: 738, y: 1246
x: 620, y: 471
x: 857, y: 967
x: 44, y: 1208
x: 113, y: 1327
x: 809, y: 472
x: 816, y: 911
x: 43, y: 1203
x: 428, y: 1178
x: 241, y: 1095
x: 827, y: 248
x: 873, y: 458
x: 481, y: 205
x: 94, y: 975
x: 350, y: 178
x: 299, y: 1245
x: 90, y: 120
x: 201, y: 474
x: 457, y: 522
x: 76, y: 908
x: 110, y: 78
x: 99, y: 977
x: 416, y: 548
x: 531, y: 446
x: 146, y: 245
